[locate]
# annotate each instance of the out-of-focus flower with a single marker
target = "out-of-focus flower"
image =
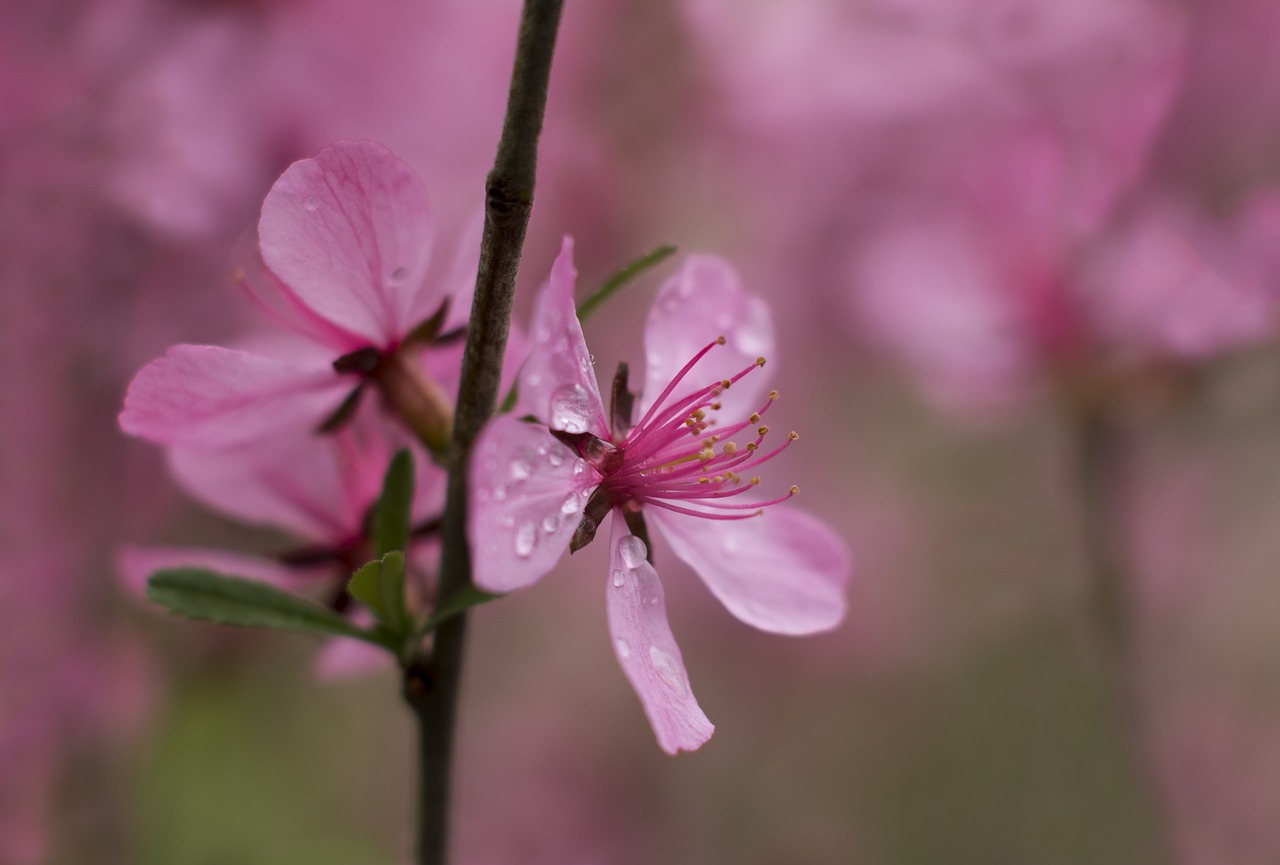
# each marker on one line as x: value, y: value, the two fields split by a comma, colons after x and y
x: 537, y: 487
x: 345, y: 240
x: 320, y: 489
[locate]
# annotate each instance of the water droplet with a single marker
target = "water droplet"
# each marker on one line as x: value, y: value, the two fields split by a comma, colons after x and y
x: 652, y: 600
x: 500, y: 494
x: 570, y: 408
x: 624, y: 648
x: 579, y: 467
x: 571, y: 505
x: 632, y: 550
x: 526, y: 539
x: 398, y: 274
x: 507, y: 521
x: 584, y: 364
x: 555, y: 457
x: 311, y: 203
x: 551, y: 522
x: 520, y: 469
x: 668, y: 670
x: 619, y: 578
x: 592, y: 359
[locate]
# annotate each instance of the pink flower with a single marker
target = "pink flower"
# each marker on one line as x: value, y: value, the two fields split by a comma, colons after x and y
x: 672, y: 462
x: 319, y: 489
x: 345, y: 243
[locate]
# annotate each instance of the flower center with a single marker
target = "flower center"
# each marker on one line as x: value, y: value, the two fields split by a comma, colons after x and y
x: 678, y: 456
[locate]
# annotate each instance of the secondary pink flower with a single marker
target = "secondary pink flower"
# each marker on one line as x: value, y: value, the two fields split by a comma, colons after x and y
x: 672, y: 462
x: 319, y: 489
x: 345, y: 243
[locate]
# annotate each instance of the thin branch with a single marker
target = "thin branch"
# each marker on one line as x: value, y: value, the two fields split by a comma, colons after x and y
x: 431, y: 682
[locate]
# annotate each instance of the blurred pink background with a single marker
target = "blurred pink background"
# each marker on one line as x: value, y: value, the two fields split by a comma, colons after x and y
x: 983, y: 225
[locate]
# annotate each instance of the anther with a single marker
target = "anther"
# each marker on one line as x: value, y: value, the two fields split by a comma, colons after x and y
x: 751, y: 446
x: 794, y: 489
x: 755, y: 417
x: 760, y: 361
x: 763, y: 430
x: 773, y: 394
x: 724, y: 384
x: 730, y: 449
x: 755, y: 481
x: 793, y: 435
x: 715, y: 406
x: 719, y: 340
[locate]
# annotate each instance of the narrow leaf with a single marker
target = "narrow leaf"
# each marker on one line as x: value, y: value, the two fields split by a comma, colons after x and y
x: 622, y: 277
x: 379, y: 585
x: 197, y: 593
x: 391, y: 518
x: 365, y: 586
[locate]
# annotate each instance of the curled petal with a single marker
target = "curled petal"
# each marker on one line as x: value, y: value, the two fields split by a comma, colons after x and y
x: 558, y: 383
x: 349, y: 232
x: 705, y: 299
x: 646, y: 649
x: 784, y: 571
x: 527, y: 492
x: 211, y: 397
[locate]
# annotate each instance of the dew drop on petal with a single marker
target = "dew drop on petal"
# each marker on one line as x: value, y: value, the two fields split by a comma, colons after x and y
x: 668, y: 671
x: 619, y: 578
x: 526, y: 539
x: 632, y: 550
x: 507, y: 521
x: 579, y: 467
x: 311, y: 203
x: 500, y: 494
x: 570, y: 408
x: 551, y: 522
x: 555, y: 457
x: 624, y: 648
x: 520, y: 469
x: 571, y: 504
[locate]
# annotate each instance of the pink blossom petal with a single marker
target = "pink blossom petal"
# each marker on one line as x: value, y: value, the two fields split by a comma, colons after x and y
x: 558, y: 383
x: 297, y: 483
x: 527, y: 495
x: 212, y: 397
x: 783, y: 572
x: 705, y: 299
x: 646, y: 649
x: 136, y: 564
x: 343, y: 658
x: 350, y: 232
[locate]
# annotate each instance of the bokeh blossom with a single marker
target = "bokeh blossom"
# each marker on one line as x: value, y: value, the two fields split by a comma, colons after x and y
x: 345, y: 241
x: 669, y: 459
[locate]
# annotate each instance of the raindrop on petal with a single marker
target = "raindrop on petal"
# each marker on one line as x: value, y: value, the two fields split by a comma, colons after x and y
x: 311, y: 203
x: 624, y: 648
x: 555, y: 457
x: 632, y: 550
x: 619, y: 578
x: 570, y: 408
x: 526, y: 539
x: 520, y: 469
x: 571, y: 505
x: 551, y: 522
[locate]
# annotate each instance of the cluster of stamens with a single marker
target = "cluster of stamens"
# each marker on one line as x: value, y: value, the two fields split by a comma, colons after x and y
x: 679, y: 454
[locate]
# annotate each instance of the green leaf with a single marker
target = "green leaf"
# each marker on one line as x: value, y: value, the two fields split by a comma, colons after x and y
x: 622, y: 277
x: 379, y: 585
x: 197, y: 593
x: 459, y: 602
x: 391, y: 517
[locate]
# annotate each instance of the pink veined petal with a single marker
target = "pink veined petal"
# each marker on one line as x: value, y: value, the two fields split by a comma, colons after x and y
x: 705, y: 299
x: 646, y: 649
x: 784, y: 571
x: 136, y: 564
x: 558, y: 383
x: 211, y: 397
x: 527, y: 493
x: 459, y: 282
x: 292, y: 482
x: 349, y: 232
